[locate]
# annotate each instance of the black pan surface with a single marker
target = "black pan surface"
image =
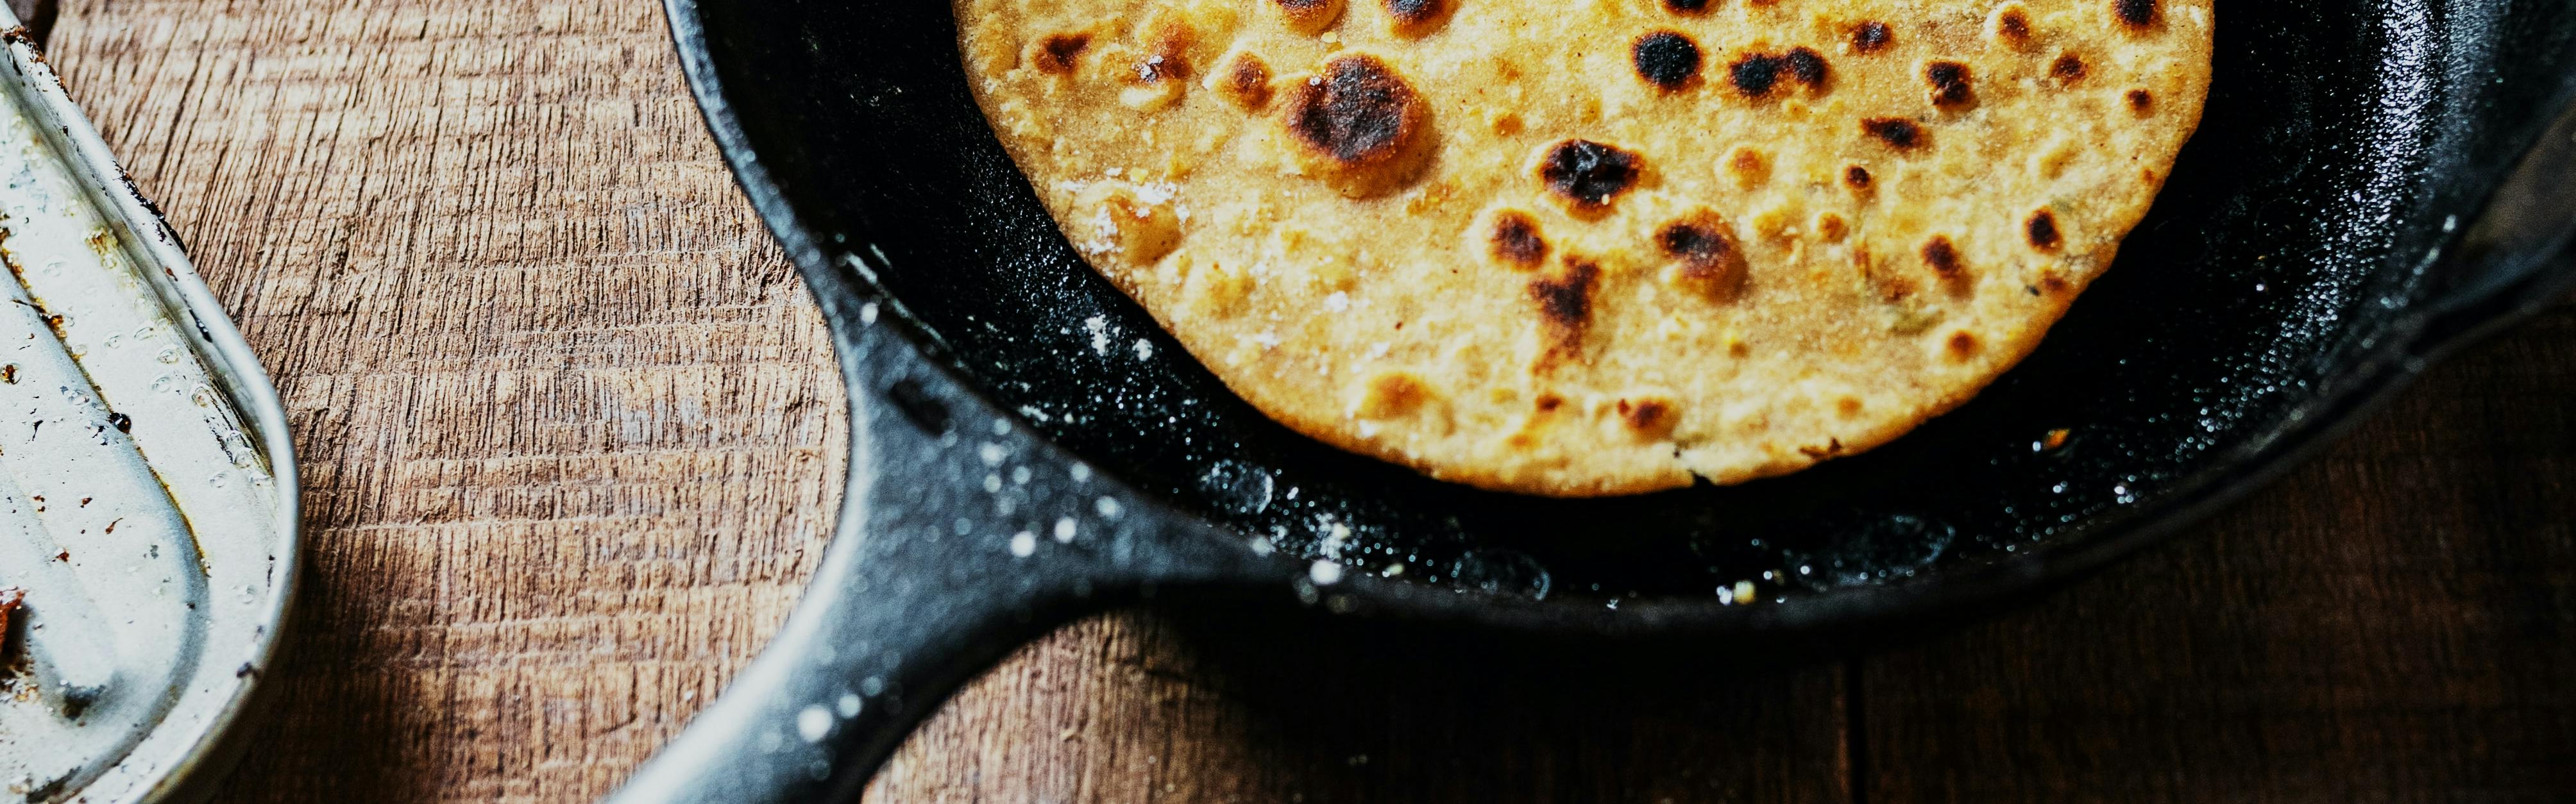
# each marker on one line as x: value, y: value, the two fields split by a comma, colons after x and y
x: 2344, y: 214
x: 2278, y: 263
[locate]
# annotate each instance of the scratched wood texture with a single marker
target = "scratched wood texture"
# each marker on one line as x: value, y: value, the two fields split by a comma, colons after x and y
x: 571, y: 439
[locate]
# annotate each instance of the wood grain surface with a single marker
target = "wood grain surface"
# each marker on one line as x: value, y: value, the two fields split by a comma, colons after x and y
x: 569, y: 428
x: 572, y: 437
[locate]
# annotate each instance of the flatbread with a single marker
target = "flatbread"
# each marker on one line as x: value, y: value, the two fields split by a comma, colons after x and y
x: 1596, y: 247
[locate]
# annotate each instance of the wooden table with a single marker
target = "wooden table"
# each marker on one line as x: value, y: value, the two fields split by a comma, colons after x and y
x: 571, y: 439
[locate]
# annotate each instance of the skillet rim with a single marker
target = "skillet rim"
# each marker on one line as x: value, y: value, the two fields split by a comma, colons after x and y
x: 2371, y: 378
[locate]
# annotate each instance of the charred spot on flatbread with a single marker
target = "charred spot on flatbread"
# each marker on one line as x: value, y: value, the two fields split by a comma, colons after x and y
x: 1704, y: 253
x: 1754, y: 74
x: 1359, y: 123
x: 2068, y: 68
x: 2042, y: 230
x: 1587, y: 176
x: 1056, y: 54
x: 1666, y: 59
x: 1308, y: 16
x: 1942, y: 256
x: 1872, y: 36
x: 1415, y: 17
x: 1896, y: 132
x: 1950, y: 83
x: 1806, y: 65
x: 1564, y: 301
x: 1513, y: 239
x: 2135, y: 13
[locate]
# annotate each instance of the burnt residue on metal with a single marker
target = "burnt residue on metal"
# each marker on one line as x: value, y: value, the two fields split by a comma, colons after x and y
x: 36, y: 18
x: 10, y: 598
x: 20, y: 35
x: 136, y: 191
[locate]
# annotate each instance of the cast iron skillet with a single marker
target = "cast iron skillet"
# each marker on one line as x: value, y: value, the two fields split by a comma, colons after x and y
x: 2375, y: 181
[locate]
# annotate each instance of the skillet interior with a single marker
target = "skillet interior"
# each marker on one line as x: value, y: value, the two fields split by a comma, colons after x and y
x: 2285, y: 250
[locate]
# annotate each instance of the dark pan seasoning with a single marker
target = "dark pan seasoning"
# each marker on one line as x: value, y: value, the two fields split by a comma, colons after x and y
x: 2274, y: 291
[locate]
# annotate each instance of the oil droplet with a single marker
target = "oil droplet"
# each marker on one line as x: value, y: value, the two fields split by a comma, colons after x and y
x: 814, y: 723
x: 1325, y: 573
x: 1238, y: 486
x: 1503, y: 571
x: 1878, y: 550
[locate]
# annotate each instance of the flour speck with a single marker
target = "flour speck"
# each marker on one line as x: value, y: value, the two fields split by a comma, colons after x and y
x: 1099, y: 327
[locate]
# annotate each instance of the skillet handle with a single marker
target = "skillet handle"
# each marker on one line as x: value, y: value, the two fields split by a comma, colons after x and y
x: 2514, y: 254
x: 947, y: 557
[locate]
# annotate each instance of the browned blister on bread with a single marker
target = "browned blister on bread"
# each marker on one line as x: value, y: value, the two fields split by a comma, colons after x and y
x: 1358, y: 124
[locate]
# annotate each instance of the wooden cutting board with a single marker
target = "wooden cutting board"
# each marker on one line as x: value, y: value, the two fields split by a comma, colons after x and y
x: 572, y: 438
